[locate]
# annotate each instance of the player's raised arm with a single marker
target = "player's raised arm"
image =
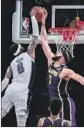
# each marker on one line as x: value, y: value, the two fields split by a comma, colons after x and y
x: 44, y: 39
x: 35, y: 29
x: 71, y: 74
x: 6, y: 79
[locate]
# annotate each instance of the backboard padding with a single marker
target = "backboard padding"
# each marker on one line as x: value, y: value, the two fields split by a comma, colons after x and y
x: 18, y: 37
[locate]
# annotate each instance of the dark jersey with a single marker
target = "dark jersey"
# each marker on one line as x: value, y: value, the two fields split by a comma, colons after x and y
x: 57, y: 123
x: 57, y: 87
x: 58, y: 90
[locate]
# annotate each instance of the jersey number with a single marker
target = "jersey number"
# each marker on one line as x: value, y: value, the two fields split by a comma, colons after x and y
x: 20, y: 68
x: 50, y: 79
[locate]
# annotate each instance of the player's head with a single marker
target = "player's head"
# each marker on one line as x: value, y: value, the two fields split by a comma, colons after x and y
x: 63, y: 56
x: 16, y: 49
x: 55, y: 106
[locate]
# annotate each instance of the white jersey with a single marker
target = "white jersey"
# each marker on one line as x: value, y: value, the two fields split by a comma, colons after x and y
x: 22, y: 68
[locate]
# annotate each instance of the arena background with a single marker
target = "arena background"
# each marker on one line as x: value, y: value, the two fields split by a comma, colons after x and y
x: 39, y: 102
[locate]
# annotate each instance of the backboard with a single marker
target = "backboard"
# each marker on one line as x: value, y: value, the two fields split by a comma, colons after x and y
x: 21, y: 35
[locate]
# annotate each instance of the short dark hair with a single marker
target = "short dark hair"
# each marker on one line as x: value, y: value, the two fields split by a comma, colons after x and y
x: 55, y: 106
x: 13, y: 48
x: 56, y: 58
x: 67, y: 56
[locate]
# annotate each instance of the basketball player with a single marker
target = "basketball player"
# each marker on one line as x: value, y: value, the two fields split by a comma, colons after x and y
x: 59, y: 75
x: 22, y: 71
x: 53, y: 120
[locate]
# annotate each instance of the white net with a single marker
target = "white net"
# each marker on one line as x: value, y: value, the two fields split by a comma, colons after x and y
x: 67, y: 40
x: 65, y: 46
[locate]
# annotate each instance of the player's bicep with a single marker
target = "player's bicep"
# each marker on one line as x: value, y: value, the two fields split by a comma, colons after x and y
x: 39, y: 123
x: 47, y: 50
x: 77, y: 78
x: 32, y: 45
x: 71, y: 74
x: 66, y: 72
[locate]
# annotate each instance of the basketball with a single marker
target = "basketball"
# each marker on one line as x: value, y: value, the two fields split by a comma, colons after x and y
x: 39, y: 13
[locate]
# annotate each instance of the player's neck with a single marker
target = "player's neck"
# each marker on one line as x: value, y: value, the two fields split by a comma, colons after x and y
x: 52, y: 117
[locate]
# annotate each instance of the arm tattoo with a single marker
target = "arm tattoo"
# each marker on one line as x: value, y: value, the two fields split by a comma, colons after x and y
x: 32, y: 45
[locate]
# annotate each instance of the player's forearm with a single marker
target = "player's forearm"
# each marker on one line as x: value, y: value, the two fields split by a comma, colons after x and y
x: 32, y: 45
x: 4, y: 84
x: 80, y: 79
x: 35, y: 27
x: 44, y: 40
x: 35, y: 35
x: 43, y: 29
x: 77, y: 78
x: 6, y: 79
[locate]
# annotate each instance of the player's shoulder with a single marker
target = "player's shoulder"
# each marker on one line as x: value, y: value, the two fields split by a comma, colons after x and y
x: 28, y: 56
x: 17, y: 57
x: 67, y: 70
x: 41, y: 121
x: 22, y: 54
x: 66, y: 123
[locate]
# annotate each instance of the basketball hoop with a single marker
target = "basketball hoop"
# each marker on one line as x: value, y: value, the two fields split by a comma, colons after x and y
x: 66, y: 38
x: 80, y: 24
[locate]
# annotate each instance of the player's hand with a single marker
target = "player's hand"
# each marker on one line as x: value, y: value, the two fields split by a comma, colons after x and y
x: 45, y: 14
x: 33, y: 11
